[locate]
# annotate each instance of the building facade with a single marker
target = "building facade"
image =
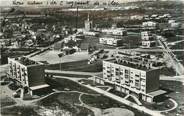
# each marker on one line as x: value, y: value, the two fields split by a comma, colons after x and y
x: 115, y: 31
x: 133, y: 77
x: 27, y: 73
x: 149, y: 25
x: 110, y: 41
x: 147, y: 40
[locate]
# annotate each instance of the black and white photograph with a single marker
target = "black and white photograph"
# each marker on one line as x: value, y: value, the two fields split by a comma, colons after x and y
x: 91, y: 57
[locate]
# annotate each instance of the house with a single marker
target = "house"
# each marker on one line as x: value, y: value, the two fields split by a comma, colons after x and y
x: 149, y: 25
x: 147, y: 40
x: 115, y: 31
x: 110, y: 41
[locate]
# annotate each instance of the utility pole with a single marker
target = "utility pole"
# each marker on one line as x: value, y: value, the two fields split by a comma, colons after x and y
x: 60, y: 56
x: 77, y: 18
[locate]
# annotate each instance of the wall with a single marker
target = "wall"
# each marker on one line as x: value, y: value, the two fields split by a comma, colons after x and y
x: 36, y: 75
x: 152, y: 80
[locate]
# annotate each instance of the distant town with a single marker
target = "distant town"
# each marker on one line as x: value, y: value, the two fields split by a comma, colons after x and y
x: 107, y: 59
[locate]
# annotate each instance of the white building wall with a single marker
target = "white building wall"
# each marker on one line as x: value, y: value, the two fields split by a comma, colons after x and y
x: 134, y: 79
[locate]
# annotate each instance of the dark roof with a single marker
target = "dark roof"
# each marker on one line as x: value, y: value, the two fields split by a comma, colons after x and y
x: 131, y: 65
x: 26, y: 61
x: 157, y: 93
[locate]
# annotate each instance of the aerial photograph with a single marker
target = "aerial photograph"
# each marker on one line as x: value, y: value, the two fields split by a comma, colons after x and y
x: 91, y: 57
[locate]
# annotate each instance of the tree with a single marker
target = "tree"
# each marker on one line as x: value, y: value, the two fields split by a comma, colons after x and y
x: 71, y: 43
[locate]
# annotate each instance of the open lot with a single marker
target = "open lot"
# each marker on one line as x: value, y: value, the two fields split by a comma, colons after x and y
x: 100, y: 101
x: 6, y: 101
x: 67, y: 101
x: 19, y: 111
x: 52, y: 57
x: 130, y: 41
x: 62, y: 84
x: 91, y: 100
x: 81, y: 66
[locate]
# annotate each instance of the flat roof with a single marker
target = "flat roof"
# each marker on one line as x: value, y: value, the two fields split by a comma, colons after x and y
x: 39, y: 87
x: 129, y: 64
x: 157, y: 93
x: 25, y: 61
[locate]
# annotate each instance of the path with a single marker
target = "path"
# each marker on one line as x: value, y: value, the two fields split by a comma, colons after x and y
x: 124, y: 101
x: 135, y: 99
x: 119, y: 99
x: 174, y: 107
x: 97, y: 111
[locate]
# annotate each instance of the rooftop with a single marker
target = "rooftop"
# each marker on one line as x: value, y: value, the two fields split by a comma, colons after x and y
x: 135, y: 65
x: 158, y: 92
x: 26, y: 61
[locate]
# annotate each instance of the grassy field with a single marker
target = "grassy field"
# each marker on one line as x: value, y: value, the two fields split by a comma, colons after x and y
x: 101, y: 101
x: 177, y: 95
x: 66, y: 101
x: 81, y: 66
x: 167, y: 71
x: 62, y: 84
x: 180, y: 56
x: 117, y: 93
x: 19, y: 111
x: 52, y: 57
x: 164, y: 105
x: 70, y: 98
x: 104, y: 102
x: 6, y: 101
x: 178, y: 46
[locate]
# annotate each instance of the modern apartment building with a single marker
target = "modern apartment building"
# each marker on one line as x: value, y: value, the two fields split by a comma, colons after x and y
x: 27, y: 73
x: 132, y: 76
x: 149, y: 25
x: 147, y: 40
x: 110, y: 41
x: 115, y: 31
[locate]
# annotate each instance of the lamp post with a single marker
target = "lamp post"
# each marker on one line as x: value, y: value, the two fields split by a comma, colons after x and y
x: 60, y: 55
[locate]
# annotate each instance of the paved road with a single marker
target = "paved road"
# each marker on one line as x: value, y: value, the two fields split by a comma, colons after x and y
x: 174, y: 78
x: 145, y: 50
x: 173, y: 59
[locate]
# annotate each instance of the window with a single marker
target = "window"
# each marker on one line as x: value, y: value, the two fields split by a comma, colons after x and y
x: 25, y: 81
x: 126, y: 76
x: 121, y: 73
x: 117, y: 73
x: 126, y: 71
